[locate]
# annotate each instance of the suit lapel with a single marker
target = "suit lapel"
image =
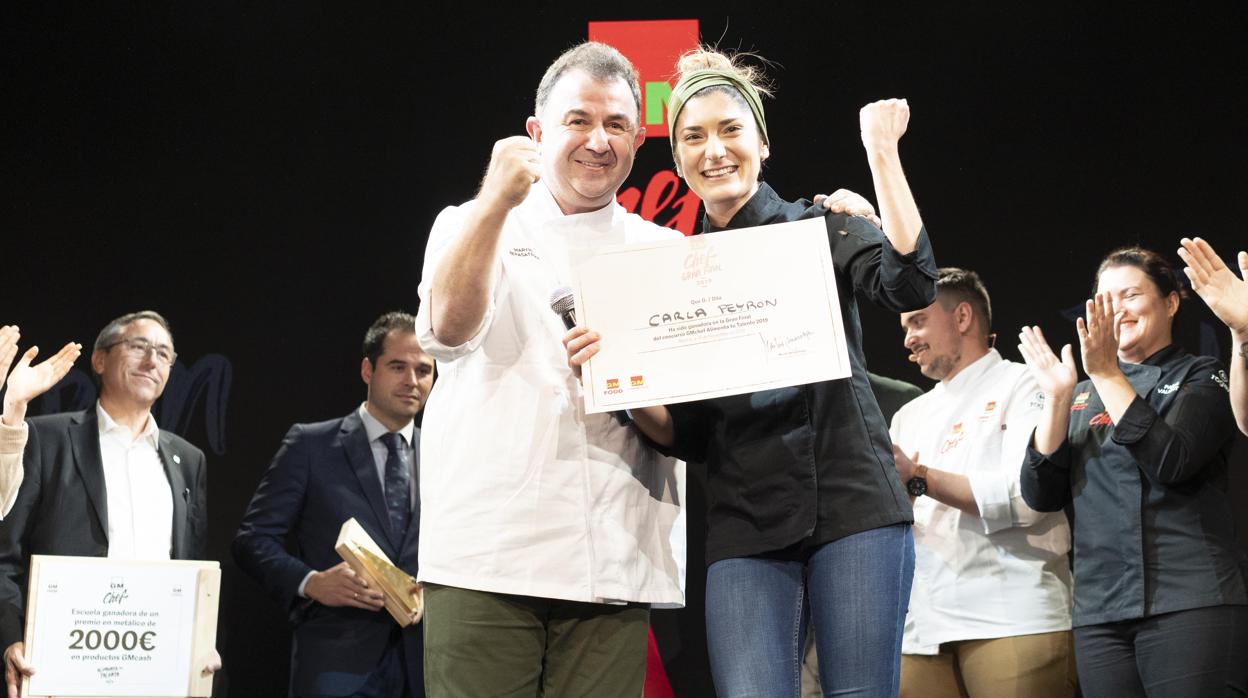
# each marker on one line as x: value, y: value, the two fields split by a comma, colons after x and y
x: 360, y: 456
x: 175, y: 471
x: 84, y: 439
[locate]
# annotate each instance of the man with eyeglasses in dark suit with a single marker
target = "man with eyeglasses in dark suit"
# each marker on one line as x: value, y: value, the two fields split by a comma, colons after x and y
x: 106, y: 481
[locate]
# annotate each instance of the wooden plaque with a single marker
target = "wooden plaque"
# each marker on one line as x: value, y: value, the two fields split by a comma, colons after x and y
x: 102, y: 628
x: 364, y: 556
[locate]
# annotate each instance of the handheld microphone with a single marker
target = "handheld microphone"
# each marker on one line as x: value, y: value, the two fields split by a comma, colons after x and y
x: 564, y: 304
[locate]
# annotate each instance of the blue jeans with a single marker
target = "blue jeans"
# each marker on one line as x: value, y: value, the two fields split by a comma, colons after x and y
x: 855, y: 590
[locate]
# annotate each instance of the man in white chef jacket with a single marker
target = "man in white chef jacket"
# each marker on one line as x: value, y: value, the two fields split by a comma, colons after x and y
x: 990, y: 607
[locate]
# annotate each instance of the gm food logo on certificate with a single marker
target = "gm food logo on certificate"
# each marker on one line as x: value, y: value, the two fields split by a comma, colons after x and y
x: 712, y: 315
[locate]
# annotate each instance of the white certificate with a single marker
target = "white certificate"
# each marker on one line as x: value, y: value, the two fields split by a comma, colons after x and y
x: 103, y: 627
x: 711, y: 315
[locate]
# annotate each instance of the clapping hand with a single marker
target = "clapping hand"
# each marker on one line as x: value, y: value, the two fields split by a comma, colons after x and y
x: 1056, y: 377
x: 1217, y: 286
x: 1098, y: 337
x: 27, y: 382
x: 9, y: 334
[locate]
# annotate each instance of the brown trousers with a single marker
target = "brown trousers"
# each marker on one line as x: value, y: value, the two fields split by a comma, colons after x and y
x: 1023, y: 665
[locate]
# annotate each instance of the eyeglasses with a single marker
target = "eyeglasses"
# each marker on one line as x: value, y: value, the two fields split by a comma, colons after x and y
x: 138, y: 348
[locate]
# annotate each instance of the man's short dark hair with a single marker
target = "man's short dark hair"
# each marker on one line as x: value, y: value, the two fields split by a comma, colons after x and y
x: 375, y: 338
x: 955, y: 286
x: 600, y: 61
x: 111, y: 334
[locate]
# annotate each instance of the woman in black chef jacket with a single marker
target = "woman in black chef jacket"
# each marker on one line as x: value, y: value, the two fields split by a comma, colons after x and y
x: 1138, y: 455
x: 806, y: 515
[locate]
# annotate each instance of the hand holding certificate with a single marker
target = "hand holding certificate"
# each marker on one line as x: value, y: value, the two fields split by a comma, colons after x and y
x: 708, y: 316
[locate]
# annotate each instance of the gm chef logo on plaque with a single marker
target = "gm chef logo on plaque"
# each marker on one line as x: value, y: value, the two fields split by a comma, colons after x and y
x: 99, y: 627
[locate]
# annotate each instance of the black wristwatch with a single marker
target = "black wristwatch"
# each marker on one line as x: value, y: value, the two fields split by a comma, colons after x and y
x: 917, y: 485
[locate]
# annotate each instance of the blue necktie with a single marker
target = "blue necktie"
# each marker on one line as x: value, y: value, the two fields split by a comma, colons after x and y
x: 398, y: 485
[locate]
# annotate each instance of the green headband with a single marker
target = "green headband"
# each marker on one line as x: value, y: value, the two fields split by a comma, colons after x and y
x: 691, y: 83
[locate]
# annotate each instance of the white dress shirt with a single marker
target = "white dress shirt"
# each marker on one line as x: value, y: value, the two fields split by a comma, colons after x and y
x: 521, y: 491
x: 407, y: 432
x: 140, y: 504
x: 1006, y: 571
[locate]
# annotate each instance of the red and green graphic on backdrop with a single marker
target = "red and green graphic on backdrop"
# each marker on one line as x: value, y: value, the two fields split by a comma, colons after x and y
x: 653, y: 47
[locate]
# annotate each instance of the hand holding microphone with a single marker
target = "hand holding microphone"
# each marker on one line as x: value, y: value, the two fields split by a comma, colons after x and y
x: 580, y: 343
x: 563, y: 303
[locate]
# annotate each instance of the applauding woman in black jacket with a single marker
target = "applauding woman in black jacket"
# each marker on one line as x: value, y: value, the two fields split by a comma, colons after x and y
x: 1138, y: 453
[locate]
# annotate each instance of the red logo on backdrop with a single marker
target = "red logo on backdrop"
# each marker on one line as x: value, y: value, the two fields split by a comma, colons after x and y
x: 653, y: 47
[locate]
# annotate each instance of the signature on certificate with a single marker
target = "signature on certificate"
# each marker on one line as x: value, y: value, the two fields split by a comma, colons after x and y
x: 788, y: 344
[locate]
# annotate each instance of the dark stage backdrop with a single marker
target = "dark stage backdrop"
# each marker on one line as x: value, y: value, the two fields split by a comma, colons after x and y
x: 265, y: 174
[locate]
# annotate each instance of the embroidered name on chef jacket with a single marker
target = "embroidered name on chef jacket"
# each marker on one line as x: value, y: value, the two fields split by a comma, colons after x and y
x: 1037, y: 401
x: 1100, y: 419
x: 955, y: 437
x: 1220, y: 379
